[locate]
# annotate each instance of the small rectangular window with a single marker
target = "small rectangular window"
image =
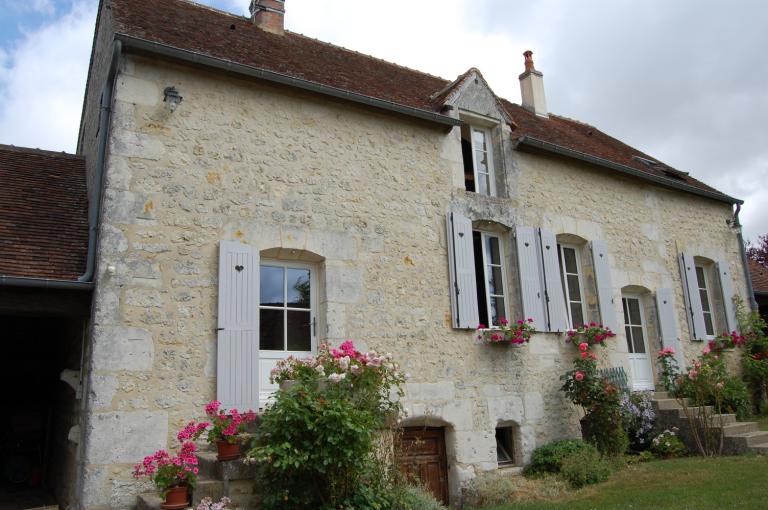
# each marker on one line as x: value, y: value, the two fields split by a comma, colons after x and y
x: 505, y: 446
x: 285, y: 311
x: 570, y: 273
x: 477, y: 152
x: 633, y: 325
x: 490, y: 276
x: 706, y: 305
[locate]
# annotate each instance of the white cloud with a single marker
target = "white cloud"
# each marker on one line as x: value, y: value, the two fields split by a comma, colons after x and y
x: 45, y: 7
x: 42, y: 82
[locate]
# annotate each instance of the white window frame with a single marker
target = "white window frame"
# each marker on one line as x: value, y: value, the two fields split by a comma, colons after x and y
x: 566, y: 289
x: 489, y: 154
x: 708, y: 290
x: 488, y: 319
x: 312, y: 302
x: 627, y: 316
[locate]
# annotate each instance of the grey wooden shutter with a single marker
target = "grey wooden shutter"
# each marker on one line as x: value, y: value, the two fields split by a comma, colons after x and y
x: 694, y: 311
x: 531, y: 288
x: 237, y: 381
x: 726, y: 286
x: 557, y: 314
x: 461, y: 262
x: 604, y: 283
x: 665, y: 307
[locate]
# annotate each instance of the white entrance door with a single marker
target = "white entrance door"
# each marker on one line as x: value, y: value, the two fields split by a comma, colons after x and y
x: 640, y: 368
x: 287, y: 324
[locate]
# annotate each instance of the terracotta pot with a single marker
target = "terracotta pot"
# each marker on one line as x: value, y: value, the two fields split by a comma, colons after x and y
x: 176, y: 498
x: 227, y: 450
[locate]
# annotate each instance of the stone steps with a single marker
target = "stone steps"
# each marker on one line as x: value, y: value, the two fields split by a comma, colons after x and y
x: 232, y: 478
x: 738, y: 437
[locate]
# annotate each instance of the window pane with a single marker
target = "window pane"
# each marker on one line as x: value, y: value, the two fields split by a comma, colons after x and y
x: 637, y: 337
x: 700, y: 277
x: 271, y: 286
x: 495, y: 283
x: 483, y: 184
x: 492, y: 250
x: 704, y: 300
x: 497, y: 310
x: 577, y: 315
x: 628, y: 332
x: 634, y: 311
x: 479, y: 140
x: 271, y: 330
x: 574, y: 292
x: 482, y: 307
x: 708, y: 325
x: 570, y: 260
x: 299, y: 331
x: 626, y: 314
x: 298, y: 288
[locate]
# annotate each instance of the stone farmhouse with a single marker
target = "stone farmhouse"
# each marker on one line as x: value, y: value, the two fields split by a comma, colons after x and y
x: 254, y: 192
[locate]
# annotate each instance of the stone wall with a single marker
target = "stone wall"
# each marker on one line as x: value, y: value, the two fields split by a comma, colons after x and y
x: 367, y: 192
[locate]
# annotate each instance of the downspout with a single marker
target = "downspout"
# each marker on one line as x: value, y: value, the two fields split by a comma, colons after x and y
x: 744, y: 262
x: 105, y: 116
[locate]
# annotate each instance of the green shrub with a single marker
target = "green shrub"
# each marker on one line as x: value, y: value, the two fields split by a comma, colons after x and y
x: 416, y: 498
x: 549, y: 457
x: 603, y: 428
x: 584, y: 468
x: 736, y: 398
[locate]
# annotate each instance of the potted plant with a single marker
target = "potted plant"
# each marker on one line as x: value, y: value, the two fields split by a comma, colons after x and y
x: 227, y: 429
x: 516, y: 334
x: 174, y: 475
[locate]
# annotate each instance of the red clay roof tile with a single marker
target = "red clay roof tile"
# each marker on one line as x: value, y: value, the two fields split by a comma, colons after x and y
x: 759, y: 276
x: 43, y: 214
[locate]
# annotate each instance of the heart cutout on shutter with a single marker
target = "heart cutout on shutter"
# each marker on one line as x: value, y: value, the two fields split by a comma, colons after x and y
x: 239, y: 268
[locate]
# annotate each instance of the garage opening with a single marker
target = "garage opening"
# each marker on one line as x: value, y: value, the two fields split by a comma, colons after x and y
x: 37, y: 457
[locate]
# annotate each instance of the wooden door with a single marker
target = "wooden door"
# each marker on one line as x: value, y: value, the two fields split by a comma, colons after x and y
x: 423, y: 459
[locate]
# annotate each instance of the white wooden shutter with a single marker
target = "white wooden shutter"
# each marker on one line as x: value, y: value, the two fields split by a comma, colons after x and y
x: 461, y: 262
x: 557, y: 314
x: 726, y: 286
x: 604, y: 282
x: 665, y: 307
x: 238, y: 329
x: 694, y: 311
x: 531, y: 288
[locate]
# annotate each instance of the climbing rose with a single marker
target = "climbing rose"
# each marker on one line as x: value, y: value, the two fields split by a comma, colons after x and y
x: 583, y: 346
x: 579, y: 376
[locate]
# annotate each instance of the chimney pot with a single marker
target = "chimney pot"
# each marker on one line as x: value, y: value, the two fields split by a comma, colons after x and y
x: 529, y: 61
x: 269, y: 15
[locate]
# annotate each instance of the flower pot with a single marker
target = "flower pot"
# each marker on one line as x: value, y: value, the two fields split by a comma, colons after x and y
x: 227, y: 450
x: 176, y: 497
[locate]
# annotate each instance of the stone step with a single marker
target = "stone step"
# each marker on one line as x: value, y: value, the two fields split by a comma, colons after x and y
x: 664, y: 404
x: 727, y: 419
x: 241, y: 492
x: 661, y: 395
x: 149, y: 501
x: 755, y: 438
x: 213, y: 469
x: 739, y: 428
x: 761, y: 448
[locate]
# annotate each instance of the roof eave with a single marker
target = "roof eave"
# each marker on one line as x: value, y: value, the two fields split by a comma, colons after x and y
x: 130, y: 42
x: 627, y: 170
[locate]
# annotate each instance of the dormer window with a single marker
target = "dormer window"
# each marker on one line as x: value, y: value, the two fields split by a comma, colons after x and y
x: 477, y: 151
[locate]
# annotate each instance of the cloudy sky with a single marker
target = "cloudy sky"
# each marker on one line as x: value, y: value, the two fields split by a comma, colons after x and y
x: 685, y: 81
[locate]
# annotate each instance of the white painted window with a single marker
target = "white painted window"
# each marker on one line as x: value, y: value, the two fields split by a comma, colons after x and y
x: 570, y: 274
x: 702, y: 280
x: 287, y: 307
x: 477, y: 149
x: 491, y: 277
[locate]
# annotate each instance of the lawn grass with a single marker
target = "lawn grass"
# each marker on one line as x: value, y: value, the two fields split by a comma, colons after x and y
x: 681, y: 484
x: 762, y: 421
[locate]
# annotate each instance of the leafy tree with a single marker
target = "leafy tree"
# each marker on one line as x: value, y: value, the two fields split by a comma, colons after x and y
x: 759, y: 251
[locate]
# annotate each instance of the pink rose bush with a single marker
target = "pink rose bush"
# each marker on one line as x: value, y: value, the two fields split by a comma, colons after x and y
x: 226, y: 425
x: 516, y: 333
x: 726, y: 341
x: 207, y: 504
x: 167, y: 470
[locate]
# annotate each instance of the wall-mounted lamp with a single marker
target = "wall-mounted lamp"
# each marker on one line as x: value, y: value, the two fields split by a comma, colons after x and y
x: 172, y: 97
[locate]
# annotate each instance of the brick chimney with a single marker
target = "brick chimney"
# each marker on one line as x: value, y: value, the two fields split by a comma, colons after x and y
x: 269, y: 15
x: 532, y: 88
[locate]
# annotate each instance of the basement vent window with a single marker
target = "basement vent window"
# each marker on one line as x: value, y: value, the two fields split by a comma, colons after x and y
x: 505, y: 446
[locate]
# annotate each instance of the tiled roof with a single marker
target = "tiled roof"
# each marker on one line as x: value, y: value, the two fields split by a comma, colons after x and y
x: 192, y: 27
x: 43, y: 214
x: 759, y: 276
